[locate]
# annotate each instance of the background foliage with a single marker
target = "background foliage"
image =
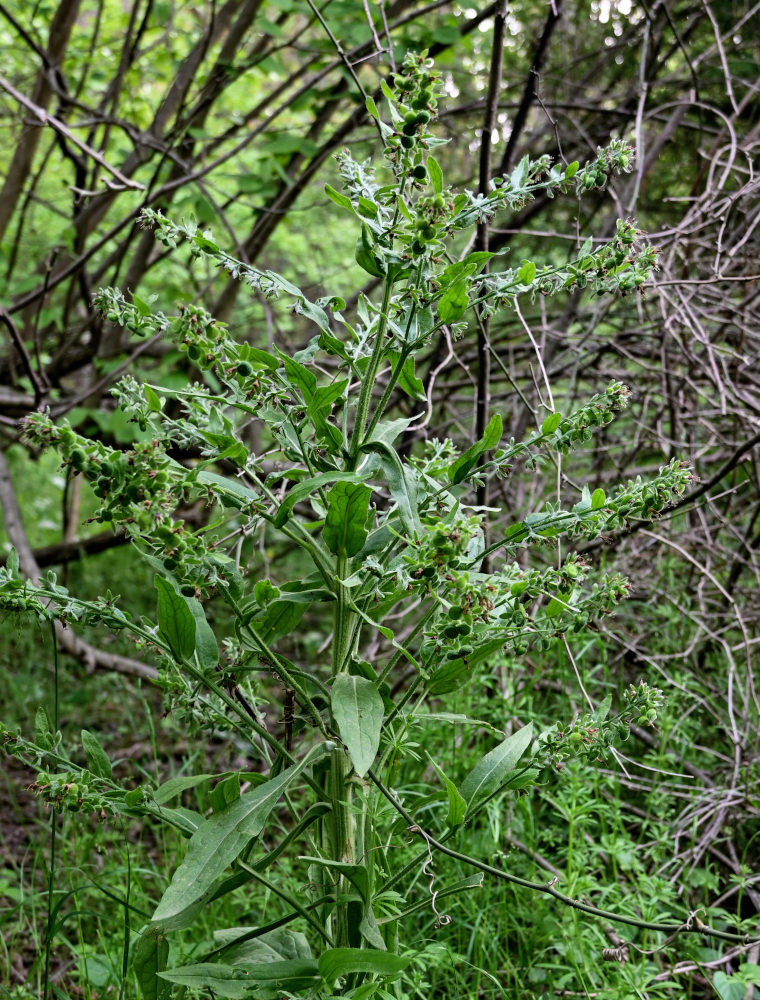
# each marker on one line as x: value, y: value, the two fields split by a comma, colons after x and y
x: 230, y: 114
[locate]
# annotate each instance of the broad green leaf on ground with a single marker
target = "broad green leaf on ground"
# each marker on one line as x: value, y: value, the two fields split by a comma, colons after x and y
x: 358, y: 709
x: 345, y: 530
x: 221, y: 838
x: 489, y: 772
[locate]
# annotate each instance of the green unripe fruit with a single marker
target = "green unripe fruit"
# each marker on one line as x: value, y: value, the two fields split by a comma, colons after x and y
x: 106, y: 469
x: 451, y: 631
x: 429, y: 572
x: 417, y: 247
x: 463, y: 628
x: 78, y: 458
x: 68, y: 437
x: 575, y: 737
x: 187, y: 590
x: 410, y: 118
x: 193, y: 352
x: 422, y: 117
x: 452, y: 654
x: 407, y: 142
x: 465, y: 651
x: 455, y: 612
x: 601, y: 178
x: 420, y: 172
x: 409, y: 129
x: 244, y: 369
x: 438, y: 202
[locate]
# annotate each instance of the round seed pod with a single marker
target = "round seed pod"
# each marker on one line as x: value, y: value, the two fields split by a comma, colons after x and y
x: 409, y: 129
x: 420, y: 172
x: 244, y: 369
x: 194, y: 352
x: 407, y: 142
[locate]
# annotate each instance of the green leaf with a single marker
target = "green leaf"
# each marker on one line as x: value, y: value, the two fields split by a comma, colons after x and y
x: 365, y: 255
x: 338, y: 198
x: 407, y: 378
x: 175, y: 786
x: 335, y: 962
x: 97, y: 760
x: 152, y: 399
x: 489, y: 772
x: 447, y: 677
x: 527, y: 272
x: 206, y: 648
x: 598, y: 499
x: 436, y: 174
x: 462, y: 467
x: 149, y: 955
x: 142, y: 307
x: 453, y: 303
x: 457, y: 805
x: 372, y: 107
x: 367, y: 208
x: 389, y: 95
x: 237, y: 982
x: 345, y: 529
x: 358, y: 709
x: 304, y: 490
x: 221, y: 838
x: 280, y: 619
x: 559, y: 604
x: 551, y: 423
x: 729, y: 987
x: 176, y: 623
x: 401, y: 482
x: 571, y: 169
x: 43, y: 731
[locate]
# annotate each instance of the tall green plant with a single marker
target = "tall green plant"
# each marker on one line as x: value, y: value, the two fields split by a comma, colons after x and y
x: 395, y: 553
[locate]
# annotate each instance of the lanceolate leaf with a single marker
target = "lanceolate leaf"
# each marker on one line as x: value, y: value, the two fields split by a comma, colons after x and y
x: 457, y: 805
x: 461, y: 468
x: 175, y: 620
x: 489, y: 772
x: 237, y: 982
x: 402, y: 484
x: 453, y: 303
x: 358, y: 710
x: 221, y: 838
x: 340, y: 961
x: 345, y: 529
x: 97, y: 761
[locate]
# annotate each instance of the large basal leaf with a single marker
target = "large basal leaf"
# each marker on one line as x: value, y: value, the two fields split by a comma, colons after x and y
x: 237, y: 982
x: 341, y: 961
x: 358, y: 709
x: 221, y: 838
x: 345, y: 530
x: 489, y: 772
